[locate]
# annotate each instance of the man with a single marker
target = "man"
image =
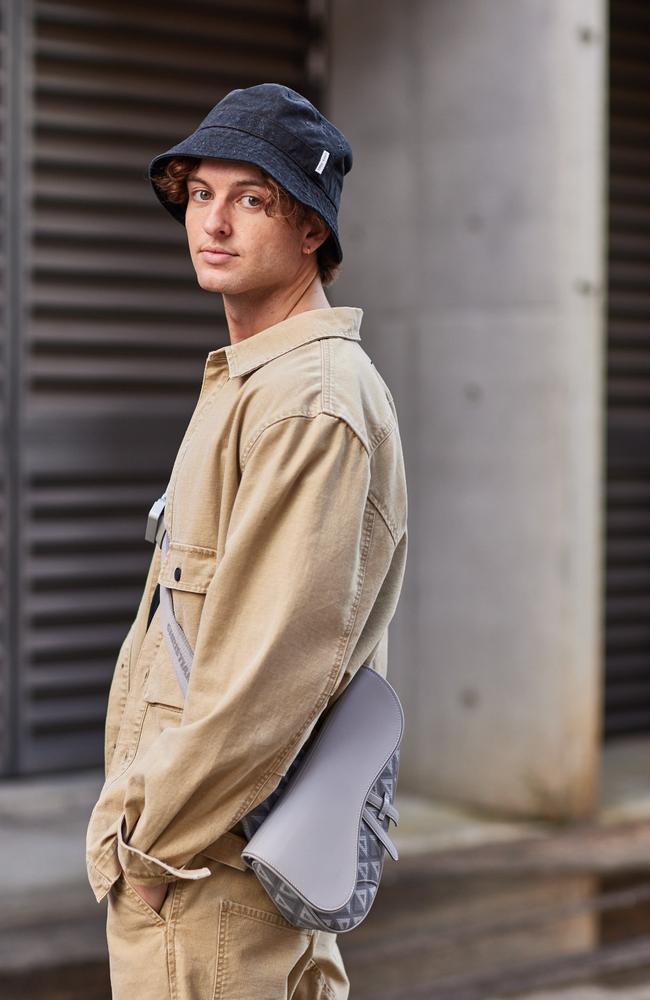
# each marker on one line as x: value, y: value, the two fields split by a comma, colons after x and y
x: 286, y: 513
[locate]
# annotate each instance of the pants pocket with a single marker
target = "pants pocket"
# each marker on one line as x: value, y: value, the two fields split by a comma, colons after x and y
x: 158, y: 917
x: 325, y: 977
x: 259, y: 954
x: 137, y: 939
x: 313, y: 985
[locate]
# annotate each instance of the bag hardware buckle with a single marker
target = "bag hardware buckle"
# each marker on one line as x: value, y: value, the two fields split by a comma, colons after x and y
x: 155, y: 524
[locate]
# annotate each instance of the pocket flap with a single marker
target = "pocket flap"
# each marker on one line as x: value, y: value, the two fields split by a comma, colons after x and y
x: 188, y: 567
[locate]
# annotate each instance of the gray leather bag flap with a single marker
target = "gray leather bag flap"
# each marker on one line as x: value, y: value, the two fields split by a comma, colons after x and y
x: 311, y: 837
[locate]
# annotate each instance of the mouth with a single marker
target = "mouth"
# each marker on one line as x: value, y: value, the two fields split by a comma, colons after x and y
x: 215, y: 256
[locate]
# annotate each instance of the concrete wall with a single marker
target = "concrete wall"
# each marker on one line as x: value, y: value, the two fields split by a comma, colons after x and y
x: 473, y: 233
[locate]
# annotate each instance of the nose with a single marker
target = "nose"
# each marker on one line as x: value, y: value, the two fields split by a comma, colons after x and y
x: 217, y: 219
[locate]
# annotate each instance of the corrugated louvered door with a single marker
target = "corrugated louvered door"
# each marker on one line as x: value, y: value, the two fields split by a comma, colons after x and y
x: 116, y: 329
x: 6, y: 686
x: 627, y: 695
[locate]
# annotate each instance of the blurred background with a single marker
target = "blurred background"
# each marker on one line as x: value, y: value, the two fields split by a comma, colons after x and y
x: 496, y: 233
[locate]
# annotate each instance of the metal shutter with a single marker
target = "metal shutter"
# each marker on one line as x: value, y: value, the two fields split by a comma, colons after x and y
x: 627, y: 630
x: 115, y: 329
x: 5, y: 354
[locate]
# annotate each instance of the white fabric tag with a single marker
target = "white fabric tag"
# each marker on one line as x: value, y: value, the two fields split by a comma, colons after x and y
x: 323, y: 160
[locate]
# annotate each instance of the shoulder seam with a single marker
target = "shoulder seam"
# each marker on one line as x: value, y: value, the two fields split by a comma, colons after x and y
x: 327, y: 393
x: 257, y: 433
x: 346, y: 420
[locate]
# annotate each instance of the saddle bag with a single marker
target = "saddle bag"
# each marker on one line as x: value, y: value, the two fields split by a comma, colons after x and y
x: 317, y: 843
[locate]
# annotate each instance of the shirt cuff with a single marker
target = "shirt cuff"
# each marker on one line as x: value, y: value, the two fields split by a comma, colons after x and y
x: 141, y: 867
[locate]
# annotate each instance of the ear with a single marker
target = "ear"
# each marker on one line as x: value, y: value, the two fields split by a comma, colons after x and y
x: 317, y: 232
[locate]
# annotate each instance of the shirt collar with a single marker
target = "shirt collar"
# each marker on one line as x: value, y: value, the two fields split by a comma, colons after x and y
x: 248, y: 354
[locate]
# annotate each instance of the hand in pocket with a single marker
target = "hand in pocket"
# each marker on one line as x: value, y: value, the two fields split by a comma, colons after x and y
x: 154, y: 895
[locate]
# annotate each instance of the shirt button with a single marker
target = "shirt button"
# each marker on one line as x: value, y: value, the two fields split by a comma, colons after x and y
x: 177, y: 573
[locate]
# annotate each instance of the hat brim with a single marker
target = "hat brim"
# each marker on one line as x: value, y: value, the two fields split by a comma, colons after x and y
x: 220, y: 142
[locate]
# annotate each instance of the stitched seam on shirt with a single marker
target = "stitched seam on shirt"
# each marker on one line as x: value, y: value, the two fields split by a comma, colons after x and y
x: 137, y: 734
x: 109, y: 849
x: 382, y: 433
x: 385, y: 516
x: 195, y: 421
x: 326, y: 355
x: 190, y: 588
x: 361, y: 576
x: 100, y: 874
x: 328, y: 404
x: 346, y: 420
x: 284, y: 416
x: 390, y: 523
x: 257, y: 433
x: 93, y: 870
x: 323, y: 372
x: 118, y: 705
x: 186, y: 547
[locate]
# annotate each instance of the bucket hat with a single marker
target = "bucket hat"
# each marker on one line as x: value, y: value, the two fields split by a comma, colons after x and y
x: 280, y: 131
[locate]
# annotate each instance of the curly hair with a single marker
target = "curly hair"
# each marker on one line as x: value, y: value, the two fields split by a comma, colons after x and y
x: 172, y: 182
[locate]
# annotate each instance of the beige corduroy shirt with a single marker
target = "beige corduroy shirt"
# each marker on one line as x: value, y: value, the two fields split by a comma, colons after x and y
x: 287, y: 518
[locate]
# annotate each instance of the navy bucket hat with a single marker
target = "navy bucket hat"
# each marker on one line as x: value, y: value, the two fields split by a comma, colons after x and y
x: 280, y: 131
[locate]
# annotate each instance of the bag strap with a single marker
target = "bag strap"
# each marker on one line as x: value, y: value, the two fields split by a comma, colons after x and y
x: 181, y: 653
x: 180, y: 650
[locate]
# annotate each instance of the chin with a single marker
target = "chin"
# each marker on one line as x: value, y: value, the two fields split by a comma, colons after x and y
x: 211, y: 282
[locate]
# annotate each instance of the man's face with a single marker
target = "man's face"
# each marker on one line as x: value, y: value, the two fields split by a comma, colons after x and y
x: 225, y: 211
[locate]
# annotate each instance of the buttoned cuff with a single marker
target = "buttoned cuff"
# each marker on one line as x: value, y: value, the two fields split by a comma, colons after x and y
x: 100, y: 883
x: 103, y: 871
x: 141, y: 867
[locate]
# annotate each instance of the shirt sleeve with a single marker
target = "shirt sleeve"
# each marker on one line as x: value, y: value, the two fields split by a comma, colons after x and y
x: 271, y: 646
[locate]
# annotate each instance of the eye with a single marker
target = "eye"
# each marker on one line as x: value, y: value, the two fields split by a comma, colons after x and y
x: 199, y: 191
x: 254, y: 198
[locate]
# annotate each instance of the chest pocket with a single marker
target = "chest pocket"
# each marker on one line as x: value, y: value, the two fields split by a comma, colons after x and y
x: 187, y: 571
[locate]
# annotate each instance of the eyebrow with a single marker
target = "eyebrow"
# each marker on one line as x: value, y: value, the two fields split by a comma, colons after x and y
x: 246, y: 182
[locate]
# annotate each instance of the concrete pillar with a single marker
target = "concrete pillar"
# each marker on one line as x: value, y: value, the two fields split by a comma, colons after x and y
x: 472, y: 225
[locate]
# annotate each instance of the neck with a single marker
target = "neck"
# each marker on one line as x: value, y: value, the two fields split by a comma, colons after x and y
x: 248, y: 316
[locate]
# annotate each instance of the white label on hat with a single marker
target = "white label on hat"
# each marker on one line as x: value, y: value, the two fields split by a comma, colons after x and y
x: 323, y: 160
